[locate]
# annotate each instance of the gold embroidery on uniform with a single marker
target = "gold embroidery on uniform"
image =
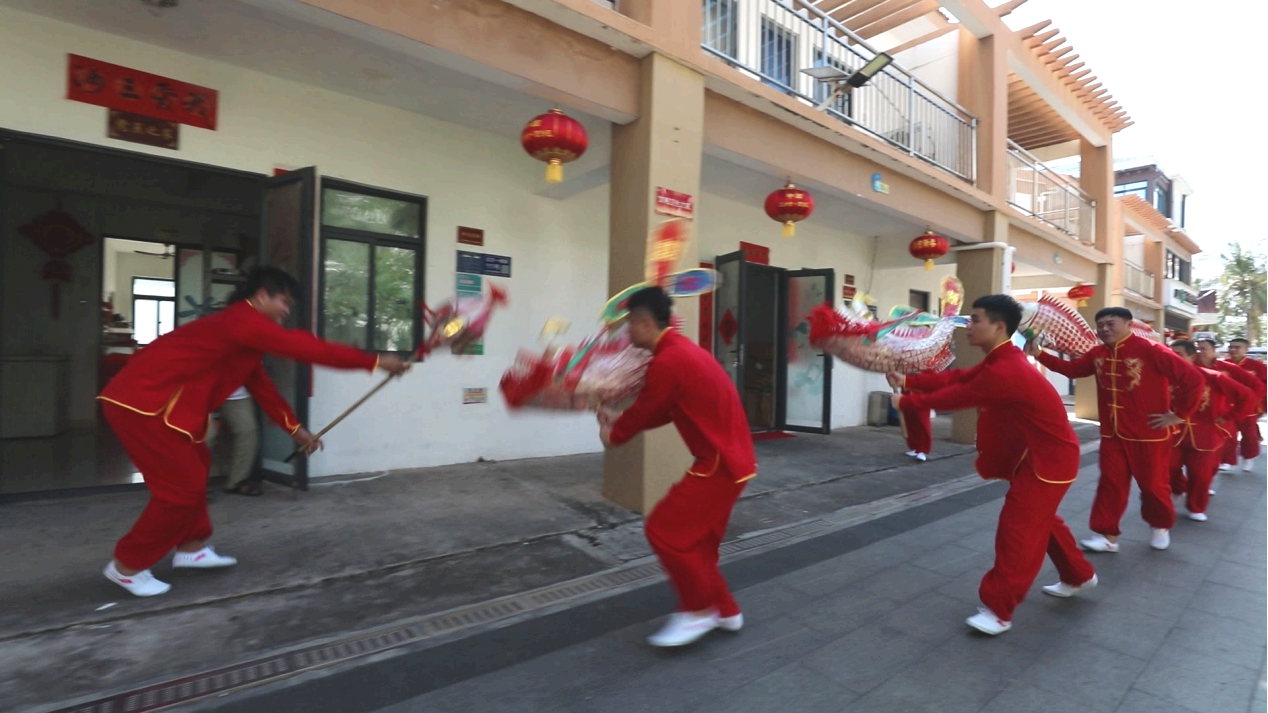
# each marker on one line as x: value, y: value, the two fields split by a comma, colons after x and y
x: 1134, y: 367
x: 1206, y: 398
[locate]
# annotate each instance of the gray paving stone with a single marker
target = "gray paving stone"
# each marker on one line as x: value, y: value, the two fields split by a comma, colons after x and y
x: 964, y: 588
x: 1137, y: 701
x: 1025, y: 698
x: 1221, y: 638
x: 1158, y: 599
x: 1201, y: 683
x: 793, y: 686
x: 954, y: 560
x: 1086, y: 672
x: 867, y: 657
x: 932, y: 617
x: 1135, y: 633
x: 770, y: 600
x: 902, y: 583
x: 1228, y: 601
x: 831, y: 575
x: 843, y: 611
x: 1250, y: 578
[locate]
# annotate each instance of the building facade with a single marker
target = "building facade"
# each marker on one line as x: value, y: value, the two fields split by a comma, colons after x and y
x: 364, y: 145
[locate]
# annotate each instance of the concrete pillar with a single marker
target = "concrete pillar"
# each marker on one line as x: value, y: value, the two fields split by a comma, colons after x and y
x: 982, y: 272
x: 983, y: 90
x: 662, y: 148
x: 1096, y: 177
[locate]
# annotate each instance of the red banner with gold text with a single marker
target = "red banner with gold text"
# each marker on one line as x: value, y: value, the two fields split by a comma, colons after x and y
x: 115, y: 87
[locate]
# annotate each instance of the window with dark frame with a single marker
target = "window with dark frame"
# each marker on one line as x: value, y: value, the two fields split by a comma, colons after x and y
x: 153, y: 308
x: 918, y: 299
x: 721, y: 26
x: 779, y: 52
x: 372, y: 245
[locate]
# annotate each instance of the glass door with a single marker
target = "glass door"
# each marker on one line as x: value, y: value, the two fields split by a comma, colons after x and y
x: 288, y: 213
x: 805, y: 383
x: 728, y: 316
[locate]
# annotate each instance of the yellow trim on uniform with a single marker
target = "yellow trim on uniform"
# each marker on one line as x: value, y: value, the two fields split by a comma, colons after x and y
x: 746, y: 478
x: 165, y: 411
x: 717, y: 459
x: 661, y: 336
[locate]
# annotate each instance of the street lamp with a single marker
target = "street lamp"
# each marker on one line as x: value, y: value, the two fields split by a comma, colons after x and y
x: 843, y: 83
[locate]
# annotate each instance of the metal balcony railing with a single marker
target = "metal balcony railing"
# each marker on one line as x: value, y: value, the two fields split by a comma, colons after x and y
x: 773, y: 40
x: 1049, y: 196
x: 1138, y: 280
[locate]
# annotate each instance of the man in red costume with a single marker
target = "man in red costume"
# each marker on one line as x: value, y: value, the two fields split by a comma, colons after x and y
x: 918, y: 430
x: 1023, y: 437
x: 1207, y: 359
x: 1248, y: 427
x: 1134, y: 377
x: 160, y: 406
x: 1200, y: 439
x: 686, y: 386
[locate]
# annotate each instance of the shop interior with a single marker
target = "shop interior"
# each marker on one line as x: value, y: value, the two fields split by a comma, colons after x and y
x: 101, y: 252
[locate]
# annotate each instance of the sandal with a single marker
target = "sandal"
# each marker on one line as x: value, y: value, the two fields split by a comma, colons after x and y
x: 246, y: 487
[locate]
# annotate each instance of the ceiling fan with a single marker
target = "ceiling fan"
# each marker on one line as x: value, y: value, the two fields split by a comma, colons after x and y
x: 169, y: 251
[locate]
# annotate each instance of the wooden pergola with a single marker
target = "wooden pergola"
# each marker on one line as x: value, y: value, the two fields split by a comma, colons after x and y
x: 1032, y: 121
x: 869, y: 18
x: 1150, y: 218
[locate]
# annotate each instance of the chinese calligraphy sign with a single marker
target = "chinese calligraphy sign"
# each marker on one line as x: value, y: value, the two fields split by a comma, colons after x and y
x: 115, y: 87
x: 143, y: 130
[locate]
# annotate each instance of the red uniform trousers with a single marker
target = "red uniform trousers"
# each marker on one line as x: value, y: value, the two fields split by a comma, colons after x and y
x: 1147, y: 461
x: 175, y: 471
x: 1029, y: 527
x: 1201, y: 467
x: 685, y: 530
x: 918, y: 429
x: 1249, y: 429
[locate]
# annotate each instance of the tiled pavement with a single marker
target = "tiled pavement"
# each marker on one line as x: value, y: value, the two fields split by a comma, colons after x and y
x: 881, y: 628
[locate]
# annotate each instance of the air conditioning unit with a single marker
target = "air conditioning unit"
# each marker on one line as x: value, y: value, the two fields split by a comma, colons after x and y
x: 920, y: 140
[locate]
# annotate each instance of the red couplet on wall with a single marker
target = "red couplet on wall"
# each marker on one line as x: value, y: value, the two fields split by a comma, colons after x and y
x: 113, y: 86
x: 759, y: 254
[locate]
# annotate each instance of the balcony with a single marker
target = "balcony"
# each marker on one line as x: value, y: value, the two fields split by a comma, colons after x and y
x: 773, y: 40
x: 1051, y: 197
x: 1180, y: 298
x: 1138, y: 280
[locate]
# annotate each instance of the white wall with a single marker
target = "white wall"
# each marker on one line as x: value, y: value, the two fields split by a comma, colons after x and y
x: 559, y: 248
x: 936, y: 63
x: 722, y: 224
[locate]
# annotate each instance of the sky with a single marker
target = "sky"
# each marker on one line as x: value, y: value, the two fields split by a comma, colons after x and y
x: 1191, y: 75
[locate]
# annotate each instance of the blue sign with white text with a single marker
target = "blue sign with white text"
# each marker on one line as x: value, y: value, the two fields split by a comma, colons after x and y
x: 482, y: 264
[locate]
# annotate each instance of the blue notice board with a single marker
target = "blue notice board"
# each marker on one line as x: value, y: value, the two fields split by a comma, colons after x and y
x: 483, y: 264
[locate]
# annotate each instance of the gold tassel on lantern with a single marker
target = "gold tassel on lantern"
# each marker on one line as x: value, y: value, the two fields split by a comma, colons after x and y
x: 790, y: 229
x: 1083, y: 303
x: 928, y: 265
x: 555, y: 171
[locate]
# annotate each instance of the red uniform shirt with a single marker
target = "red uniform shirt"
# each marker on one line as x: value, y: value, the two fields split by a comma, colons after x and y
x: 1020, y: 415
x: 1222, y: 401
x: 189, y: 372
x: 685, y: 385
x: 1245, y: 377
x: 1259, y: 371
x: 1133, y: 380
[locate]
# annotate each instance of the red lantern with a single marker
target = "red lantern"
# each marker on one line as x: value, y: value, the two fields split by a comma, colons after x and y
x: 556, y: 139
x: 789, y: 205
x: 929, y: 247
x: 1081, y: 294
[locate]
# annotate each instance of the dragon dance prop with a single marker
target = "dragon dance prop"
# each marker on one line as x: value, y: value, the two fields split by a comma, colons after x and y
x: 454, y: 325
x: 606, y: 369
x: 1054, y: 323
x: 909, y: 341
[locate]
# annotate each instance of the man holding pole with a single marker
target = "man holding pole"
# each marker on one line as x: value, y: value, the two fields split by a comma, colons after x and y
x: 160, y: 405
x: 1023, y: 437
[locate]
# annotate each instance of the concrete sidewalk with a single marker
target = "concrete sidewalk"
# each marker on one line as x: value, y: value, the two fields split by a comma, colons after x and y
x: 881, y: 628
x: 364, y: 552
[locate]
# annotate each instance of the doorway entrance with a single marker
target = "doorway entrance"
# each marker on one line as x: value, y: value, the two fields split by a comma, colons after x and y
x: 155, y: 243
x: 761, y: 337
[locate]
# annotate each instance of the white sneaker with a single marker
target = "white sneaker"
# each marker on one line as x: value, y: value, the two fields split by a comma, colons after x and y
x: 922, y: 457
x: 1159, y: 539
x: 206, y: 558
x: 141, y: 584
x: 1099, y: 543
x: 683, y: 628
x: 912, y: 454
x: 1225, y: 467
x: 1197, y: 516
x: 1248, y: 466
x: 1211, y: 491
x: 1061, y: 589
x: 987, y: 622
x: 731, y: 623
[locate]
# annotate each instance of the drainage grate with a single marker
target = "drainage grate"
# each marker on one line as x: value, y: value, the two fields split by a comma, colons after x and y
x: 265, y: 670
